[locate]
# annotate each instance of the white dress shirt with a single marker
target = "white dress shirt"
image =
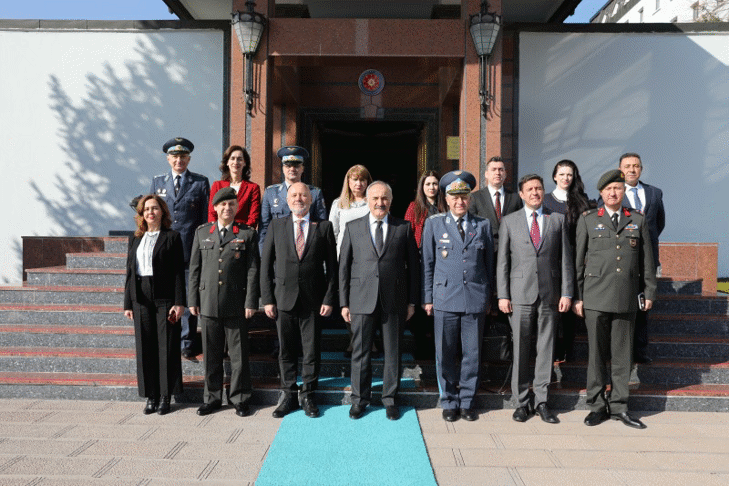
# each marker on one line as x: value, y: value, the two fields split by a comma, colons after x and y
x: 373, y: 228
x: 296, y: 220
x: 631, y: 195
x: 144, y: 253
x: 540, y: 219
x: 492, y: 191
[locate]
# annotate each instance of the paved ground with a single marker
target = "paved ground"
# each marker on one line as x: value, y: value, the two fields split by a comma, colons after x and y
x: 65, y: 442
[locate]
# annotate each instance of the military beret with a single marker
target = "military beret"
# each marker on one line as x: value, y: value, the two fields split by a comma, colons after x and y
x: 224, y: 194
x: 292, y: 154
x: 457, y: 182
x: 178, y: 145
x: 609, y: 177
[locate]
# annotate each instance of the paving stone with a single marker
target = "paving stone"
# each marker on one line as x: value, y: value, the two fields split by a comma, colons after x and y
x: 477, y: 476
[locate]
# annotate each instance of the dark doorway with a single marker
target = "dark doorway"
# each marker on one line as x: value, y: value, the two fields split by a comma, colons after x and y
x: 389, y: 150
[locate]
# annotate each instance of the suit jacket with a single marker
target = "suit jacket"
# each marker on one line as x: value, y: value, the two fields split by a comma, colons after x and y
x: 457, y: 274
x: 519, y: 262
x: 189, y: 208
x: 364, y: 275
x: 654, y: 213
x: 274, y: 206
x: 313, y: 278
x: 224, y: 275
x: 613, y: 266
x: 483, y: 206
x: 168, y: 268
x: 249, y: 202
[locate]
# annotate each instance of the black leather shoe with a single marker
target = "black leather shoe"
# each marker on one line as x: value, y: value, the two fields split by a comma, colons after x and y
x: 546, y: 414
x: 596, y: 418
x: 628, y: 420
x: 642, y: 359
x: 450, y: 414
x: 188, y: 354
x: 151, y: 406
x: 208, y: 408
x: 357, y: 411
x: 164, y: 406
x: 310, y: 408
x: 288, y: 404
x: 392, y: 412
x: 521, y: 414
x: 469, y: 414
x: 242, y: 409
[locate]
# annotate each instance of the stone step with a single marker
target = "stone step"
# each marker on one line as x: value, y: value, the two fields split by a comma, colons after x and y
x: 66, y: 295
x: 97, y: 260
x: 692, y: 304
x: 88, y: 337
x: 684, y: 372
x: 691, y: 324
x: 115, y: 244
x: 76, y: 277
x: 670, y: 286
x: 674, y: 347
x: 63, y: 315
x: 566, y: 396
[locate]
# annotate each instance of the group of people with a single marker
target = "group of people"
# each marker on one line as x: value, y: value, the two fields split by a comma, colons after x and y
x: 458, y: 258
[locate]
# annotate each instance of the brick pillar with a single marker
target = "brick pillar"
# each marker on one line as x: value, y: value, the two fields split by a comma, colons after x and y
x: 480, y: 135
x: 259, y: 128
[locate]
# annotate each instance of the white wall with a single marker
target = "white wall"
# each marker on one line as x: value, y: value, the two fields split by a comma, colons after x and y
x: 83, y: 117
x: 591, y: 97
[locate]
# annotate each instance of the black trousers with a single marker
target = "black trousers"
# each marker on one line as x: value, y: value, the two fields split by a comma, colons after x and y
x: 300, y: 326
x: 363, y: 330
x: 159, y: 367
x: 216, y: 331
x: 640, y: 340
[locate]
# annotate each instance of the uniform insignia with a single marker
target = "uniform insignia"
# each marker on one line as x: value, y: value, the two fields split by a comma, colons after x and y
x: 444, y: 253
x: 235, y: 229
x: 626, y: 211
x: 600, y: 226
x: 161, y: 191
x: 444, y: 241
x: 633, y: 242
x: 445, y: 235
x: 207, y: 240
x: 458, y: 172
x: 178, y: 139
x: 237, y: 254
x: 212, y: 229
x: 238, y: 240
x: 275, y: 201
x: 601, y: 212
x: 631, y: 226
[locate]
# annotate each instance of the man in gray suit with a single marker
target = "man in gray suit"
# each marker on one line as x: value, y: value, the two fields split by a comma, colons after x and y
x: 534, y: 281
x: 379, y: 284
x: 224, y: 267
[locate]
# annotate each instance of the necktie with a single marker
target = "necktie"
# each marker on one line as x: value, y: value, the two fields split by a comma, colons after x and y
x: 177, y: 184
x: 379, y: 239
x: 534, y: 232
x: 459, y: 223
x: 300, y: 239
x: 497, y: 206
x: 222, y: 234
x: 638, y: 205
x: 615, y: 221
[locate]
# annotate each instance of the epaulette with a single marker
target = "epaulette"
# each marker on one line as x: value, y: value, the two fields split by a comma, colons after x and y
x: 204, y: 225
x: 272, y: 186
x: 589, y: 211
x: 439, y: 215
x: 161, y: 175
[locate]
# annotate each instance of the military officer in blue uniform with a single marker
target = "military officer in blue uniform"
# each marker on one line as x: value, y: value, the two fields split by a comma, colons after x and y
x: 186, y: 194
x: 458, y: 268
x: 274, y: 206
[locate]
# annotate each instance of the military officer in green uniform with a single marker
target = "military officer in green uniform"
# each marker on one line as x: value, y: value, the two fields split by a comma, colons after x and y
x: 614, y: 260
x: 224, y: 272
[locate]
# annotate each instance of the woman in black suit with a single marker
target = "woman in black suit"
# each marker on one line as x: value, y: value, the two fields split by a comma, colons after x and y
x: 154, y: 297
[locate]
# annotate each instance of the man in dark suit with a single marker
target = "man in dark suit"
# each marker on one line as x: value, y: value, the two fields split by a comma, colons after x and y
x: 534, y: 280
x: 379, y: 283
x: 614, y: 263
x: 186, y: 195
x: 273, y: 203
x: 224, y: 272
x: 298, y: 286
x: 494, y: 201
x: 457, y: 274
x: 648, y: 200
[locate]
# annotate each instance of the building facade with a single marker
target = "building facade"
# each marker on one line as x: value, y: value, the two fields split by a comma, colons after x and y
x: 661, y: 11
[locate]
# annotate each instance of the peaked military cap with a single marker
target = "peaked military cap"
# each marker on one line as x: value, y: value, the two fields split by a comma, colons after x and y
x: 457, y: 182
x: 609, y: 177
x: 292, y: 154
x: 178, y: 145
x: 224, y: 194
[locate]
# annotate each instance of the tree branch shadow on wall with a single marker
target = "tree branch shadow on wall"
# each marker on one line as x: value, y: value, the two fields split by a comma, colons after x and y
x: 112, y: 135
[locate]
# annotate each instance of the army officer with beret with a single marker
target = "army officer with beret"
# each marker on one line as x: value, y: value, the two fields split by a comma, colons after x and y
x: 614, y: 260
x: 224, y: 272
x: 186, y: 195
x: 458, y: 268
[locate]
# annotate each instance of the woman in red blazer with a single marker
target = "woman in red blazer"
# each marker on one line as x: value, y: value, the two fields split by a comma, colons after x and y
x: 236, y: 173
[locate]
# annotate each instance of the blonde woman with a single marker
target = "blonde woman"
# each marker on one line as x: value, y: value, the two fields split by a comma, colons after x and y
x: 351, y: 204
